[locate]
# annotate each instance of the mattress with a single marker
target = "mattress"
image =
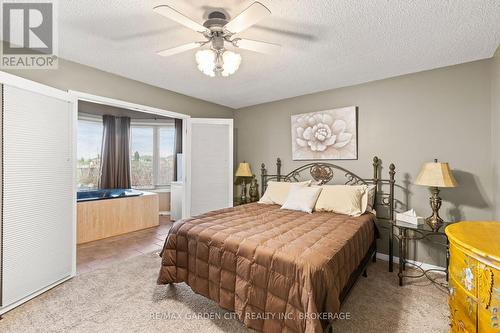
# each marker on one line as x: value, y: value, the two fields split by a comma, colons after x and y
x: 278, y: 270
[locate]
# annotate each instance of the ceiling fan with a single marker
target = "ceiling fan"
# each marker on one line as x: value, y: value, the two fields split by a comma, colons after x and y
x: 218, y: 31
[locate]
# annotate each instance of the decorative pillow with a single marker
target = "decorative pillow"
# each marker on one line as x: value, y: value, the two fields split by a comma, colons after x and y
x: 368, y: 198
x: 277, y: 192
x: 302, y: 198
x: 342, y: 199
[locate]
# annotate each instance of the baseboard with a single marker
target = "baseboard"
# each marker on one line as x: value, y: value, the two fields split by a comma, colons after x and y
x: 164, y: 213
x: 395, y: 260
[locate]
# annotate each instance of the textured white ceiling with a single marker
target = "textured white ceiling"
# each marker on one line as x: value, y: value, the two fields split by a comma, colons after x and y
x: 326, y: 44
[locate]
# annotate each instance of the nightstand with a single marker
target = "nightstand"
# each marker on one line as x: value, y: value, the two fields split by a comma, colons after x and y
x: 237, y: 202
x: 405, y: 232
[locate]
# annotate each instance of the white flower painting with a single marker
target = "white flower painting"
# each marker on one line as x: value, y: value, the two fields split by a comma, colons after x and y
x: 325, y: 135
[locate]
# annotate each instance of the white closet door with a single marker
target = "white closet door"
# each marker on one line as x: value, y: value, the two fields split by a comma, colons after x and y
x: 210, y: 169
x: 38, y: 198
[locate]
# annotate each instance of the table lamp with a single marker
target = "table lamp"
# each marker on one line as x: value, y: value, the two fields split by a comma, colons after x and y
x: 244, y: 173
x: 435, y: 175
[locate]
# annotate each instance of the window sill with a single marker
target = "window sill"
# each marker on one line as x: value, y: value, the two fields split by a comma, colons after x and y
x: 155, y: 190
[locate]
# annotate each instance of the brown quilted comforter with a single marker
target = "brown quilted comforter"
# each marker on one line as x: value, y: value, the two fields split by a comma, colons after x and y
x: 277, y: 269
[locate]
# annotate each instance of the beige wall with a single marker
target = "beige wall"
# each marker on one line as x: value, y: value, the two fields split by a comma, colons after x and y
x: 407, y: 120
x: 74, y: 76
x: 495, y: 126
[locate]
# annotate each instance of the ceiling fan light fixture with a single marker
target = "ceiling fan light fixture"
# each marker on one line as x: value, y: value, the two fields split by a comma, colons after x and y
x: 212, y: 62
x: 206, y: 62
x: 231, y: 61
x: 218, y: 61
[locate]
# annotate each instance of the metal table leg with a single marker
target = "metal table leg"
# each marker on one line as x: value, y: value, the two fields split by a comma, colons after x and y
x: 401, y: 255
x: 391, y: 250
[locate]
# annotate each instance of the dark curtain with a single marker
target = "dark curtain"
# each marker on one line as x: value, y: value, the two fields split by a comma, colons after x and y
x: 108, y: 152
x: 178, y: 144
x: 123, y: 174
x: 115, y: 156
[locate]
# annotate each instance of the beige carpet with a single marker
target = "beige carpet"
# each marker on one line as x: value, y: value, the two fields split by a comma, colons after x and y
x: 125, y: 298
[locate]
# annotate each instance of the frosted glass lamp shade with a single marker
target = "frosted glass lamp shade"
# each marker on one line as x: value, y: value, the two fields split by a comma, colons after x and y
x: 206, y: 62
x: 436, y: 174
x: 244, y: 170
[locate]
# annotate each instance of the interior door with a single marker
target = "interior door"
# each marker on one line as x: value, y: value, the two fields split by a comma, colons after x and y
x: 209, y: 165
x: 38, y: 194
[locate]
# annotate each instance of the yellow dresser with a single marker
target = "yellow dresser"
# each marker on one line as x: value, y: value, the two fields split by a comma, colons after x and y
x: 474, y: 276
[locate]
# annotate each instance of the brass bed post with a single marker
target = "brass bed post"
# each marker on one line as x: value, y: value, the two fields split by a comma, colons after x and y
x: 263, y: 174
x: 376, y: 162
x: 278, y: 169
x: 392, y: 172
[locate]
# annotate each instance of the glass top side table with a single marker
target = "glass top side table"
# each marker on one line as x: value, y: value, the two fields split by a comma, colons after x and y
x: 405, y: 232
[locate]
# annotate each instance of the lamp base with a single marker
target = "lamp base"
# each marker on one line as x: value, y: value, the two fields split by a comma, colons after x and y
x: 243, y: 198
x: 434, y: 221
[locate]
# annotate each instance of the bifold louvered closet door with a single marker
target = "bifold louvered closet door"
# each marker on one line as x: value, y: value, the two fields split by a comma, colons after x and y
x: 210, y: 175
x: 37, y: 192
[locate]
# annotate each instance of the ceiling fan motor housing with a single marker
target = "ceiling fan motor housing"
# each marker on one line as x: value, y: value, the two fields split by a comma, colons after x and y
x: 216, y: 21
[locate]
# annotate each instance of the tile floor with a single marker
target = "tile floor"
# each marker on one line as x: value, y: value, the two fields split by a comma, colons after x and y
x: 98, y: 254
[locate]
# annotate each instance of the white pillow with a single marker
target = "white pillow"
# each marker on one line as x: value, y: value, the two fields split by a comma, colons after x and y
x: 342, y: 199
x: 302, y: 198
x: 277, y: 192
x: 368, y: 198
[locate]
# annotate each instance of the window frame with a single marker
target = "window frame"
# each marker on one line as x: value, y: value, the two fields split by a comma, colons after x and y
x: 93, y: 119
x: 156, y: 125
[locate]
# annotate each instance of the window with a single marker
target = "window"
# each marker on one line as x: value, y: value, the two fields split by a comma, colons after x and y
x: 167, y: 152
x: 152, y: 155
x: 141, y: 143
x: 89, y: 153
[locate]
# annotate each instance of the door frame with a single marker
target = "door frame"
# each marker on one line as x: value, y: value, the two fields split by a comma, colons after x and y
x: 82, y: 96
x: 187, y: 184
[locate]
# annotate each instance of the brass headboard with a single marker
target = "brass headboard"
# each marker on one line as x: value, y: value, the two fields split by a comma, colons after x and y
x: 325, y: 173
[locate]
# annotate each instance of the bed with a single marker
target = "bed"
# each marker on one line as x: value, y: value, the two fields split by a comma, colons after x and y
x: 278, y: 270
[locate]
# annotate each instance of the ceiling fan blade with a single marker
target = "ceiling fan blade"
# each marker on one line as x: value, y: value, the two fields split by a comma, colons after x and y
x: 179, y: 49
x: 254, y: 45
x: 247, y: 18
x: 174, y: 15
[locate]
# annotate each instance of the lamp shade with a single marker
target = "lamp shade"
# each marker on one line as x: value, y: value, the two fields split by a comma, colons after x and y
x: 436, y: 174
x: 244, y: 170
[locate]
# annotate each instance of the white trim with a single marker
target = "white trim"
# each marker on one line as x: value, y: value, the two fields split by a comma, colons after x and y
x: 186, y: 175
x: 395, y: 260
x: 152, y: 122
x: 186, y: 207
x: 88, y: 117
x: 127, y: 105
x: 21, y: 83
x: 75, y: 186
x: 33, y: 295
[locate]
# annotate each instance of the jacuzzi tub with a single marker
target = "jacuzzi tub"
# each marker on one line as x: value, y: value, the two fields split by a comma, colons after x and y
x: 130, y: 210
x: 106, y: 194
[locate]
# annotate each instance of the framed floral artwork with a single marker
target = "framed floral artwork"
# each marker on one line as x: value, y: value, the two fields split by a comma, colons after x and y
x: 325, y: 135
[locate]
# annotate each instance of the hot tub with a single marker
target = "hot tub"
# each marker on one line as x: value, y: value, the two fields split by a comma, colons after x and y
x: 106, y: 194
x: 129, y: 210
